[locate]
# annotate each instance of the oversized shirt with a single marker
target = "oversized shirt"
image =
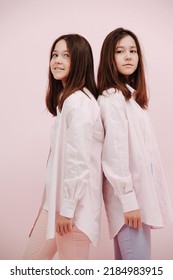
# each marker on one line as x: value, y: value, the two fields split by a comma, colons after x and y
x: 74, y: 175
x: 134, y: 176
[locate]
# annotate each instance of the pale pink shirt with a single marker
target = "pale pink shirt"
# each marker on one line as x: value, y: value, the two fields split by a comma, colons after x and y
x: 134, y: 177
x: 74, y: 175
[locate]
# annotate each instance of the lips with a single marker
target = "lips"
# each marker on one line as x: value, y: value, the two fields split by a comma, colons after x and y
x: 128, y: 64
x: 58, y: 68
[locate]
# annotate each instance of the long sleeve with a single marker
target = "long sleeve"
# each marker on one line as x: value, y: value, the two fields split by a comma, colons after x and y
x: 77, y: 158
x: 115, y: 158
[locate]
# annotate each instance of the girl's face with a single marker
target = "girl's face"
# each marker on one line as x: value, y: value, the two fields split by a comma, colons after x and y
x: 60, y: 62
x: 126, y: 56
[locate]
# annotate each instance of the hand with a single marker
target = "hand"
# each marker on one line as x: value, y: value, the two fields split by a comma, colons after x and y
x: 133, y: 219
x: 64, y: 225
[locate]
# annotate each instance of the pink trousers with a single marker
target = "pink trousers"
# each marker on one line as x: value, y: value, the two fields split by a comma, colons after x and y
x: 71, y: 246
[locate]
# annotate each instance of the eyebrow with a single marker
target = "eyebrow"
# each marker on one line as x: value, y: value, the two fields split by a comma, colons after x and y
x: 131, y: 47
x: 62, y: 51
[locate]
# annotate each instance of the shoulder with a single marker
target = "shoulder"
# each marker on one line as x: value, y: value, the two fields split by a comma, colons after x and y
x: 79, y: 98
x: 81, y: 103
x: 111, y: 98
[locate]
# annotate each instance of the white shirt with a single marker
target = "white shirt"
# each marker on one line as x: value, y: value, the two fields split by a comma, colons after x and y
x: 134, y: 177
x: 74, y: 175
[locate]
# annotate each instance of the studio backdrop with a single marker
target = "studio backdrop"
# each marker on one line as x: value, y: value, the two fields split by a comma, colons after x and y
x: 27, y: 31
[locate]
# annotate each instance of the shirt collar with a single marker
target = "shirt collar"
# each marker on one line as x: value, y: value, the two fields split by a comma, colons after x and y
x: 113, y: 90
x: 132, y: 90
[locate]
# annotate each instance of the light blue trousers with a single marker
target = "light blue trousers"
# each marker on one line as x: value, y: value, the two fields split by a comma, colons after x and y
x: 133, y: 244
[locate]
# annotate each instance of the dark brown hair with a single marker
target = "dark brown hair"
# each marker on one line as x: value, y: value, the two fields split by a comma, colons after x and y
x: 108, y: 75
x: 81, y: 72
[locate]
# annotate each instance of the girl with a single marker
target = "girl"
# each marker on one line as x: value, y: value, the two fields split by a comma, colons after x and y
x: 70, y: 211
x: 134, y: 189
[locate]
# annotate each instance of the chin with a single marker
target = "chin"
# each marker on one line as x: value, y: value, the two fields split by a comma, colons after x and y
x: 128, y: 73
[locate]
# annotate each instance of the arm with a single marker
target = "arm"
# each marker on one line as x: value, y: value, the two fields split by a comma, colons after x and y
x: 77, y: 163
x: 115, y: 159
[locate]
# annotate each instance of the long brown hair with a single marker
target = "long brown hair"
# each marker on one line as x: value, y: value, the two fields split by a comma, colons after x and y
x: 81, y: 72
x: 108, y: 75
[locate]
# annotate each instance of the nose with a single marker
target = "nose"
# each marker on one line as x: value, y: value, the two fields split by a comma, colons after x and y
x: 58, y: 59
x: 127, y: 55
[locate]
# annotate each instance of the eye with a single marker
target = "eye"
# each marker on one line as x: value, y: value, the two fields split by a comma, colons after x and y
x: 119, y: 51
x: 66, y: 55
x: 54, y: 55
x: 133, y: 51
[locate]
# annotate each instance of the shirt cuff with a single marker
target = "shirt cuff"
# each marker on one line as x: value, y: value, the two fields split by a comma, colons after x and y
x: 67, y: 208
x: 129, y: 202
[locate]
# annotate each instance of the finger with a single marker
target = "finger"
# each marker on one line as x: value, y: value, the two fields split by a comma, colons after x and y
x: 70, y: 227
x: 126, y: 220
x: 135, y: 223
x: 60, y: 229
x: 130, y: 223
x: 66, y: 228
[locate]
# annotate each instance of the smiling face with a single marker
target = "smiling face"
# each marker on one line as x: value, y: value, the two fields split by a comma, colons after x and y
x: 60, y: 62
x: 126, y: 56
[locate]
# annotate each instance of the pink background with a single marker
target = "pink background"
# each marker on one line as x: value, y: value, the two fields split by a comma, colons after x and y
x: 27, y: 30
